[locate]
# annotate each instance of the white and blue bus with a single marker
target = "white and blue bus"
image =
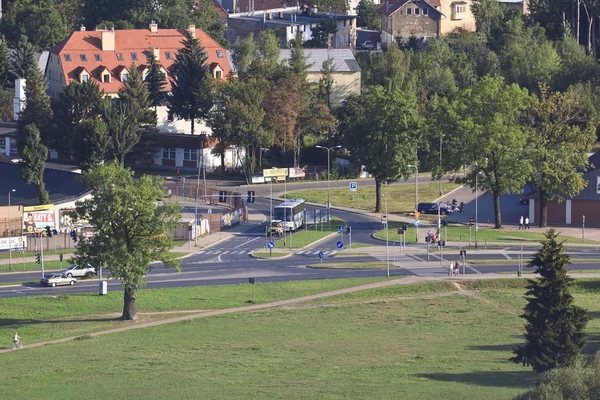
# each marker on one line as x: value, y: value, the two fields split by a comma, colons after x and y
x: 292, y: 213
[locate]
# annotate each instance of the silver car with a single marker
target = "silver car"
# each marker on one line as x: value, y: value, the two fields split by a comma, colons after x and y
x: 79, y: 271
x: 57, y: 279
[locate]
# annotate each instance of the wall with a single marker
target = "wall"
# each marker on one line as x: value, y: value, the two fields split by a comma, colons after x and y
x: 344, y: 84
x: 448, y: 24
x: 54, y: 76
x: 589, y: 208
x: 211, y: 161
x: 404, y: 26
x: 178, y: 125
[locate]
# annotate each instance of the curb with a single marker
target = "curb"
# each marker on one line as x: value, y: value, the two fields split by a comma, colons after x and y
x: 270, y: 259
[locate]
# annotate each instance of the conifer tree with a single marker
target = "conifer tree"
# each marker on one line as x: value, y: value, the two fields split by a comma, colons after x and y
x: 156, y: 81
x: 555, y: 327
x: 34, y: 155
x: 23, y: 59
x: 37, y: 104
x: 5, y: 76
x: 134, y: 95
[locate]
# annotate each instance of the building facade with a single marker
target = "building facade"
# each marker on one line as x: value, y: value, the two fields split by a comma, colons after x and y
x: 105, y: 56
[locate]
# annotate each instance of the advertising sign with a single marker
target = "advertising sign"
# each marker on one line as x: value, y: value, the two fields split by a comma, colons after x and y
x: 277, y: 172
x: 16, y: 243
x: 37, y: 221
x: 297, y: 173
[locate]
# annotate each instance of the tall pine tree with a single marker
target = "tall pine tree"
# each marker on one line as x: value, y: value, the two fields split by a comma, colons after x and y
x: 5, y: 75
x: 134, y: 95
x: 23, y: 59
x: 555, y: 327
x: 156, y: 81
x: 37, y: 104
x: 190, y: 97
x: 34, y: 155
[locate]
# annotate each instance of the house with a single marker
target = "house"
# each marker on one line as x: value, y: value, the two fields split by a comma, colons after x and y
x: 347, y: 75
x: 105, y: 56
x: 423, y: 19
x: 572, y: 210
x: 250, y: 6
x: 287, y: 22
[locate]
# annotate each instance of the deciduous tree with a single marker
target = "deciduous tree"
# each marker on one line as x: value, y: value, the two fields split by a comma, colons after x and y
x: 367, y: 15
x: 33, y: 163
x: 123, y: 126
x: 554, y: 325
x: 132, y: 228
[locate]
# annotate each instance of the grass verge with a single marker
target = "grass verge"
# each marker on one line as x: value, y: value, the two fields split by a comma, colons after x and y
x: 400, y: 197
x: 305, y: 237
x: 515, y: 261
x: 16, y: 255
x: 266, y: 254
x: 354, y: 265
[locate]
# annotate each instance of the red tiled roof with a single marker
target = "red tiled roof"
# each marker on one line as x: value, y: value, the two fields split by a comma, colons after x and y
x: 127, y: 43
x: 435, y: 3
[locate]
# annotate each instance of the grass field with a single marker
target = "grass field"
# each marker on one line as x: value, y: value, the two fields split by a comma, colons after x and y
x: 17, y: 255
x: 305, y: 237
x: 401, y: 198
x: 423, y: 341
x: 354, y: 265
x: 456, y: 233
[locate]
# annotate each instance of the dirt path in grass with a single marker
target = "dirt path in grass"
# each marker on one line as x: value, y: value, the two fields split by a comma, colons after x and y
x: 281, y: 303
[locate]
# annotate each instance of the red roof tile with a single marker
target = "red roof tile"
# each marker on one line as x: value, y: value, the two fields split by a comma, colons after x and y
x: 129, y: 44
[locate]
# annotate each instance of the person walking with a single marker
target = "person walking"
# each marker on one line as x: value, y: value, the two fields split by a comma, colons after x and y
x: 521, y: 223
x: 526, y: 222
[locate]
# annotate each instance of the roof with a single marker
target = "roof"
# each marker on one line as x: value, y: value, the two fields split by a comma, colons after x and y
x: 299, y: 18
x: 343, y: 59
x: 61, y: 185
x: 389, y: 9
x: 85, y: 50
x: 244, y: 5
x: 221, y: 12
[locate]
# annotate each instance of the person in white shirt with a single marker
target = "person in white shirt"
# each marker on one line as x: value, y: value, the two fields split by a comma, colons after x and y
x: 526, y: 222
x: 521, y: 223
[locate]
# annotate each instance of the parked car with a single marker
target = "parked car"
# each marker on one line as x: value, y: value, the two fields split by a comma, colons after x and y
x: 524, y: 201
x: 432, y: 208
x: 57, y: 279
x: 276, y: 228
x: 79, y: 270
x: 367, y: 45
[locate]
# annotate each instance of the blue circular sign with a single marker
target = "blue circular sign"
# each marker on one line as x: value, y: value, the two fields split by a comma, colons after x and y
x: 417, y: 222
x: 320, y: 254
x: 340, y: 244
x: 270, y: 245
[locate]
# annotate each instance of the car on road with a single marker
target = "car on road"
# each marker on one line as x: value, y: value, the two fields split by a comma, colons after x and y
x: 432, y: 208
x: 276, y: 228
x: 79, y: 271
x: 367, y: 45
x: 57, y: 279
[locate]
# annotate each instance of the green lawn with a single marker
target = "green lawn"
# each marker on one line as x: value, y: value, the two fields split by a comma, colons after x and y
x: 515, y: 261
x: 401, y: 198
x: 266, y: 254
x: 354, y: 265
x: 32, y: 266
x: 376, y: 344
x: 17, y: 255
x: 456, y: 233
x: 305, y: 237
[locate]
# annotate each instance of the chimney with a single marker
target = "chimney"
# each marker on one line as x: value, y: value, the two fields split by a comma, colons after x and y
x: 108, y: 40
x: 192, y: 31
x: 82, y: 28
x: 156, y: 53
x: 153, y: 27
x: 19, y: 100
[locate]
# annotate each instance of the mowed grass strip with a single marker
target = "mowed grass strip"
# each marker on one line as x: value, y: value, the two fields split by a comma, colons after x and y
x: 49, y: 317
x: 400, y: 197
x: 309, y: 235
x: 398, y: 342
x: 354, y: 265
x: 18, y: 254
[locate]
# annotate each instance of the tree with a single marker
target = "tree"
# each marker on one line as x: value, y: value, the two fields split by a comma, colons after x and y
x: 367, y: 15
x: 379, y: 130
x: 7, y: 97
x: 156, y: 82
x: 91, y: 143
x: 562, y: 136
x: 5, y: 74
x: 132, y: 228
x: 136, y: 98
x: 206, y: 18
x: 484, y: 128
x: 326, y: 82
x: 488, y: 14
x: 123, y: 126
x: 190, y: 97
x: 297, y: 62
x: 37, y: 104
x: 555, y: 326
x: 23, y: 59
x: 322, y: 35
x: 34, y: 155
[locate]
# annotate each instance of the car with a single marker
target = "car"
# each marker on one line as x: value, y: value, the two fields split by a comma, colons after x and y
x: 276, y: 228
x: 367, y: 45
x: 524, y: 201
x: 57, y: 279
x: 432, y: 208
x: 79, y: 270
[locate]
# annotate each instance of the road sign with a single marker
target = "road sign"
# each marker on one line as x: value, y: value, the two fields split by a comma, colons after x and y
x: 384, y: 219
x: 353, y: 186
x: 476, y: 227
x: 417, y: 215
x: 341, y: 229
x: 270, y: 245
x: 320, y: 254
x: 339, y: 244
x: 417, y: 222
x: 210, y: 211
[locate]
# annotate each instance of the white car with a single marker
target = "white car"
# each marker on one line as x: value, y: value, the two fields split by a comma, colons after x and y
x: 57, y: 279
x: 368, y: 45
x: 79, y: 270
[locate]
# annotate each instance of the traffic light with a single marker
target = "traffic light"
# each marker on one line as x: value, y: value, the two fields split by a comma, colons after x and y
x: 471, y: 221
x: 37, y: 258
x: 427, y: 239
x: 347, y: 229
x: 222, y: 196
x: 48, y: 231
x: 400, y: 231
x: 250, y: 196
x: 463, y: 253
x: 404, y: 227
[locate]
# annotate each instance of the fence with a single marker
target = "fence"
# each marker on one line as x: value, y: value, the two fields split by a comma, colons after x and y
x: 15, y: 225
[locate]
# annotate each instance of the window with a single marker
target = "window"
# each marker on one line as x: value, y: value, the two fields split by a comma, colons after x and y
x: 120, y: 56
x: 134, y: 56
x: 408, y: 11
x: 460, y: 9
x: 83, y: 57
x: 84, y: 78
x: 169, y: 56
x: 220, y: 53
x: 425, y: 11
x: 190, y: 155
x: 417, y: 11
x: 168, y: 154
x: 170, y: 116
x: 105, y: 78
x: 124, y: 76
x: 49, y: 74
x: 98, y: 57
x: 67, y: 57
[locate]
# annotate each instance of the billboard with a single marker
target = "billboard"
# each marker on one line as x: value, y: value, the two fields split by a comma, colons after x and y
x: 297, y: 173
x: 37, y: 218
x: 16, y: 243
x: 277, y: 172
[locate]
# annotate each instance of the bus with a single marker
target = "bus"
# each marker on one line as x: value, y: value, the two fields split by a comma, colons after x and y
x: 292, y: 212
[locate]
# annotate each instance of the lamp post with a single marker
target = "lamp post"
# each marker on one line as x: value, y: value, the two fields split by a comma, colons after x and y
x: 9, y: 232
x: 200, y: 168
x: 440, y: 230
x: 387, y: 252
x: 328, y: 187
x: 416, y: 167
x: 476, y: 208
x: 440, y: 183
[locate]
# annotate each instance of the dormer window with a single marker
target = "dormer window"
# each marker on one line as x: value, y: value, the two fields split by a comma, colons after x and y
x: 417, y: 11
x: 98, y: 57
x: 67, y: 57
x: 84, y: 77
x: 124, y: 76
x: 218, y: 74
x: 83, y: 57
x: 168, y: 55
x: 134, y: 56
x: 220, y: 53
x: 119, y: 56
x: 408, y: 11
x: 105, y: 77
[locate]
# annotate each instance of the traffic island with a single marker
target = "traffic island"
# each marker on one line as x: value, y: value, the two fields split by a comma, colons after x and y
x: 354, y: 265
x: 266, y: 255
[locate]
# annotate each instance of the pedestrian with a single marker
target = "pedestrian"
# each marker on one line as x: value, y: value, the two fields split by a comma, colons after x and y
x: 526, y: 222
x: 451, y: 269
x: 521, y: 223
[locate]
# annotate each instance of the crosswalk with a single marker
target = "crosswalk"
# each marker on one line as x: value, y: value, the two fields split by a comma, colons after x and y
x: 222, y: 252
x: 218, y: 252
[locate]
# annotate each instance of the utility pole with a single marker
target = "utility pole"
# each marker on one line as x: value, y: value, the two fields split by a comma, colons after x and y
x: 387, y: 242
x: 9, y: 226
x: 328, y: 185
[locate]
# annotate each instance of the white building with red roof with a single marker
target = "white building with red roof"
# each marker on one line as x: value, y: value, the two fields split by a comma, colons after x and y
x: 106, y: 55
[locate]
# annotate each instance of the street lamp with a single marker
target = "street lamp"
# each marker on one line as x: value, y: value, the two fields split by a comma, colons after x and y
x: 440, y: 183
x: 328, y: 187
x: 440, y: 230
x: 200, y: 168
x: 9, y: 232
x: 416, y: 167
x: 387, y: 252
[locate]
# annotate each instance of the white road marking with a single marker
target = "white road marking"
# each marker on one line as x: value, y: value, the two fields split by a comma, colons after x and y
x: 415, y: 257
x: 507, y: 256
x: 256, y: 238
